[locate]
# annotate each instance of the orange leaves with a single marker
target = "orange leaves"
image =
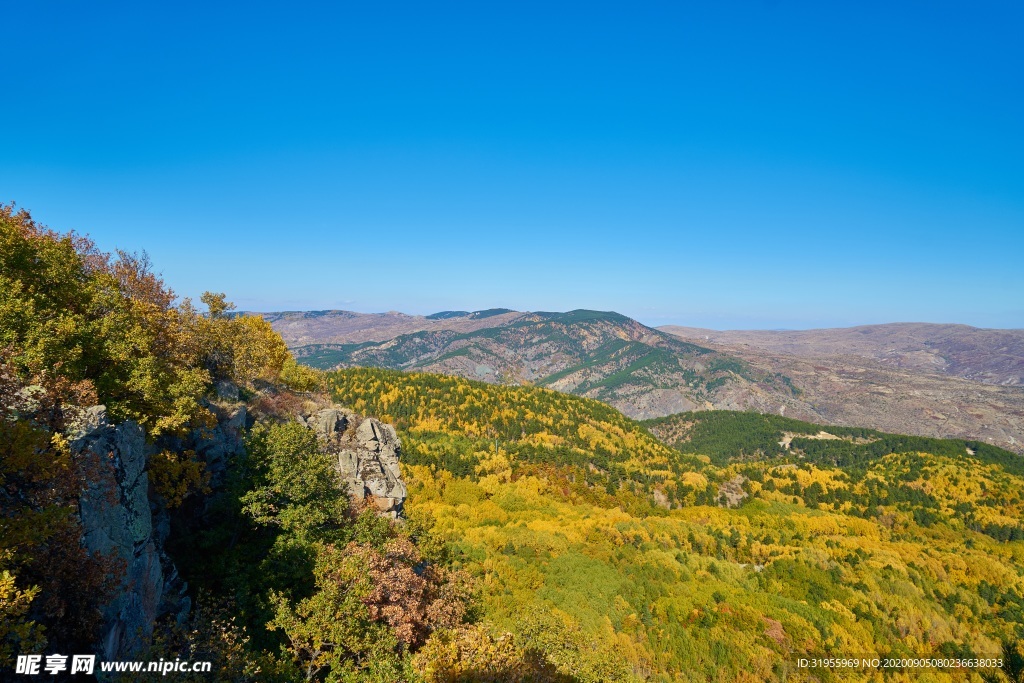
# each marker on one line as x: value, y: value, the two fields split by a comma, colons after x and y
x: 410, y: 602
x: 370, y: 604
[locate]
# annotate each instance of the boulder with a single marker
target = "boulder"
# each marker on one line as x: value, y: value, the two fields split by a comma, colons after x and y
x: 329, y: 423
x: 366, y: 453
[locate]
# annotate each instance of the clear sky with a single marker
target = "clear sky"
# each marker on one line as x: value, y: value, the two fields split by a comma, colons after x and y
x: 723, y: 164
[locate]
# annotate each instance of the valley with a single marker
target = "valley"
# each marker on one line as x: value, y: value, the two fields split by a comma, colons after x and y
x: 932, y: 380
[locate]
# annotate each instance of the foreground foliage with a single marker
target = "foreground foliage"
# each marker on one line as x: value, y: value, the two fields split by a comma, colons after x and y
x: 79, y: 327
x: 325, y: 589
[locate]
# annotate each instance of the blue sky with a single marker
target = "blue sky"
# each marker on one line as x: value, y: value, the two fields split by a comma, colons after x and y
x: 723, y: 164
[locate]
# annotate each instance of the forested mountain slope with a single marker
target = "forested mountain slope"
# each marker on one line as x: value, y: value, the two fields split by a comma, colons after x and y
x: 968, y: 484
x: 601, y: 355
x: 919, y: 379
x: 877, y: 544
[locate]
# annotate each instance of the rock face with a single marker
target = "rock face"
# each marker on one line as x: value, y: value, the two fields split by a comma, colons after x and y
x: 367, y: 453
x: 214, y: 446
x: 120, y: 518
x: 117, y: 520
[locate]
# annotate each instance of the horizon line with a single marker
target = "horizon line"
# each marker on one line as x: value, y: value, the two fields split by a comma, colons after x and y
x: 465, y: 313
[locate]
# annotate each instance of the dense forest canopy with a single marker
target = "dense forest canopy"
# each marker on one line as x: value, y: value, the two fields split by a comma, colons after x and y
x: 742, y: 555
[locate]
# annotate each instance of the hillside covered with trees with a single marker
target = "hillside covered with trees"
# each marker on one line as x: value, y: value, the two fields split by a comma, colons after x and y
x: 160, y: 501
x: 741, y: 557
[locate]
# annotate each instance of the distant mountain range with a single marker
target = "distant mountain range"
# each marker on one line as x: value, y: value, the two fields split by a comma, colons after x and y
x: 933, y: 380
x: 299, y: 328
x: 602, y: 355
x: 989, y: 356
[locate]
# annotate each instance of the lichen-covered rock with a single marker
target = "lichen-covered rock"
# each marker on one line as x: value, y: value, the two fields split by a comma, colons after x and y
x: 117, y: 521
x: 120, y: 520
x: 226, y: 390
x: 367, y: 453
x: 328, y: 423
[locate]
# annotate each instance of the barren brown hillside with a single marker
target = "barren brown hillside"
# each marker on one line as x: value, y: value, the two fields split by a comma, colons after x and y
x: 932, y: 380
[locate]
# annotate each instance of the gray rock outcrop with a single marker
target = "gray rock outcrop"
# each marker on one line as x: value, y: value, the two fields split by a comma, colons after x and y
x: 226, y: 391
x: 215, y: 446
x: 121, y: 519
x: 367, y: 453
x: 117, y: 521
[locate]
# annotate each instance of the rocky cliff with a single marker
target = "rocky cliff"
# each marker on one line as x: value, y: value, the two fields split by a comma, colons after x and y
x: 117, y: 520
x: 123, y: 518
x: 366, y: 452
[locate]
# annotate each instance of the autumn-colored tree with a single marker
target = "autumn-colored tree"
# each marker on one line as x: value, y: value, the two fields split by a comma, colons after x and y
x: 18, y: 632
x: 258, y: 352
x: 302, y: 378
x: 370, y: 609
x: 177, y: 475
x: 471, y: 653
x: 40, y: 536
x: 68, y: 310
x: 241, y: 348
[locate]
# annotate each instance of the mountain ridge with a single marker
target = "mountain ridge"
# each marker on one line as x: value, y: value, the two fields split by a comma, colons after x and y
x: 644, y: 372
x: 344, y: 327
x: 596, y: 354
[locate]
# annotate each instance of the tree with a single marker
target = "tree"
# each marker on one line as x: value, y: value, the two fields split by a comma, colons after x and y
x: 18, y: 632
x: 295, y: 488
x: 370, y: 609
